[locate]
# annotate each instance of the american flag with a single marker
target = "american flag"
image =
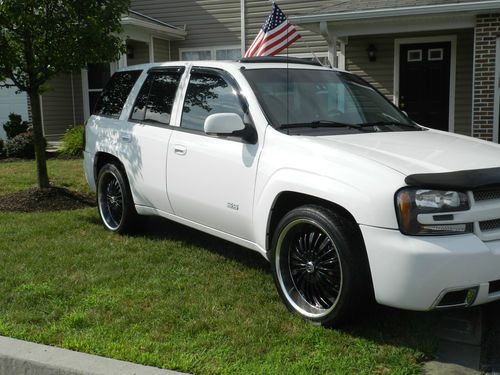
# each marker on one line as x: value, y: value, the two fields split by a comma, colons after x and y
x: 274, y: 36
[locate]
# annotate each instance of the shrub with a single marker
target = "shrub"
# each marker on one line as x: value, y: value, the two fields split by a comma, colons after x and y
x: 2, y: 151
x: 72, y: 142
x: 21, y: 146
x: 15, y: 126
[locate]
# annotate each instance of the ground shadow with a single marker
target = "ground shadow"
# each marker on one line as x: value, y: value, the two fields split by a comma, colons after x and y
x: 383, y: 325
x: 161, y: 229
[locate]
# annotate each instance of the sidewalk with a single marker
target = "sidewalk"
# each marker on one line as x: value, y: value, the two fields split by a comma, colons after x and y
x: 21, y: 357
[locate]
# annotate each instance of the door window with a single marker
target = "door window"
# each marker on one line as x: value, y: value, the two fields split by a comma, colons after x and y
x: 156, y: 98
x: 208, y: 93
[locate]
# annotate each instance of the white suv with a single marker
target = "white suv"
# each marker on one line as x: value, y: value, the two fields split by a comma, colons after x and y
x: 309, y: 166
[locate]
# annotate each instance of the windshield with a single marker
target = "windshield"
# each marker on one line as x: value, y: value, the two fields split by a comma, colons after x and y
x: 307, y: 98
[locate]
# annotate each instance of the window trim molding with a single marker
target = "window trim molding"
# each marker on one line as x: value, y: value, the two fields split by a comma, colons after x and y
x: 213, y: 50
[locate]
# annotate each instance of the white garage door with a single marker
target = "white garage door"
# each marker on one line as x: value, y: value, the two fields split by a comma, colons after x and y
x: 11, y: 102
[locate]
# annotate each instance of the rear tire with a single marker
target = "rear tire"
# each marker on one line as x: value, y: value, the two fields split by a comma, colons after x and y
x: 319, y: 265
x: 114, y: 200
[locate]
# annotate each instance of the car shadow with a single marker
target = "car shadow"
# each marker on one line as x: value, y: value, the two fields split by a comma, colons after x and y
x: 376, y: 323
x: 161, y: 229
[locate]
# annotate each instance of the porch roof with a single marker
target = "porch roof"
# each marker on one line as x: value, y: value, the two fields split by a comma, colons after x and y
x: 341, y: 10
x: 138, y: 20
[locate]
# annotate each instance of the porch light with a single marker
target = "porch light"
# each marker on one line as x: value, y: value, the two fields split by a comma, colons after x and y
x: 372, y: 53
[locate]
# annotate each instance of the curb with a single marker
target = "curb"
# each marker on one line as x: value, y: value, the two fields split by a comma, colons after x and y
x: 22, y: 357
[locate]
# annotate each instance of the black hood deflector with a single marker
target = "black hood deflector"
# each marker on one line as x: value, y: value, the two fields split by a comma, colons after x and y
x: 475, y: 179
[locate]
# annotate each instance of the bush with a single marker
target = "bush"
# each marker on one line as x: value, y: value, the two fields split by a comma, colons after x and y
x: 2, y: 151
x: 72, y: 142
x: 15, y: 126
x: 21, y: 146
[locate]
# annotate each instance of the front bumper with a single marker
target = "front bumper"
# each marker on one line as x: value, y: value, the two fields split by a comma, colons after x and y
x: 414, y: 272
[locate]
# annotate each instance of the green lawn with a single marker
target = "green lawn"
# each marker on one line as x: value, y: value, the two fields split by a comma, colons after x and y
x: 175, y: 298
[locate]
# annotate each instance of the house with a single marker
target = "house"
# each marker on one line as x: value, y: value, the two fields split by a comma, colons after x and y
x: 436, y: 59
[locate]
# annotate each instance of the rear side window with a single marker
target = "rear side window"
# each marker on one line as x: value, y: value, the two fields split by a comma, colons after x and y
x: 115, y: 94
x: 156, y: 98
x: 208, y: 93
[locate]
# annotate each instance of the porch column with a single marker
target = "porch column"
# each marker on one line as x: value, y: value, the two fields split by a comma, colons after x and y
x: 331, y: 39
x: 486, y: 88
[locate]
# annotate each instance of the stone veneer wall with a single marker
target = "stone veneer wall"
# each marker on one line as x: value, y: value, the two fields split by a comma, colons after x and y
x: 487, y: 32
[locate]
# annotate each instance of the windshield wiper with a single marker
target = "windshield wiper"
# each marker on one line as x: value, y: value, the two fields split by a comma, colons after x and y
x: 320, y: 124
x: 388, y: 123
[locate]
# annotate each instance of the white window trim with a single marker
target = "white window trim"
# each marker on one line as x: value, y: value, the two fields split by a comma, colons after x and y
x: 496, y: 111
x: 453, y: 69
x: 414, y: 60
x: 86, y: 90
x: 441, y: 58
x: 212, y: 49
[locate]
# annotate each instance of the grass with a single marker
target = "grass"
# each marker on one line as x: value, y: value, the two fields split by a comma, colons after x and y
x: 20, y: 175
x: 175, y: 298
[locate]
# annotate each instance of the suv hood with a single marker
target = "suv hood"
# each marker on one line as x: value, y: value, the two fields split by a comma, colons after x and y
x: 411, y: 152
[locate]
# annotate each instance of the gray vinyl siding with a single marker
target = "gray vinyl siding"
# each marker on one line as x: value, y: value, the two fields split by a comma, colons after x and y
x: 381, y: 72
x: 58, y: 110
x: 258, y: 10
x: 209, y: 23
x: 141, y: 53
x: 161, y: 50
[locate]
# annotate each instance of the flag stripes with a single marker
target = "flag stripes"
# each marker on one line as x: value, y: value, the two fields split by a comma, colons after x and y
x: 276, y: 34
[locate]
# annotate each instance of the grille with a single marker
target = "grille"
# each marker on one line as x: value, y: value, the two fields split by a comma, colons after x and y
x: 486, y: 195
x: 489, y: 225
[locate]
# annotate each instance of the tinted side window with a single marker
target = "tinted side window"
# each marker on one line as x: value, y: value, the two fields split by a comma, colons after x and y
x: 156, y: 98
x: 208, y: 93
x: 115, y: 94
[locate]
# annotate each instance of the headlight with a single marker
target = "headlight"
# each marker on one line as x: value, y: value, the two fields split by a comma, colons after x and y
x: 411, y: 202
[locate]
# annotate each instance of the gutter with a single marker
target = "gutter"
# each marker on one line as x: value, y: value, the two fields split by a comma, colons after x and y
x: 174, y: 32
x: 488, y: 5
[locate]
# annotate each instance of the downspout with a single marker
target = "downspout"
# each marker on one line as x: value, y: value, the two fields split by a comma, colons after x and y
x: 332, y: 43
x: 243, y: 27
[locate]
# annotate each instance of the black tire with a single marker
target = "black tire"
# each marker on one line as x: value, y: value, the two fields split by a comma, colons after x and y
x: 114, y: 200
x: 320, y: 266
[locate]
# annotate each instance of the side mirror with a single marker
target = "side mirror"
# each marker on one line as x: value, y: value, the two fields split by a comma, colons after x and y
x: 223, y: 124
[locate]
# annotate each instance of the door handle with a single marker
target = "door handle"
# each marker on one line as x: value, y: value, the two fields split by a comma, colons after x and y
x: 180, y: 150
x: 126, y: 137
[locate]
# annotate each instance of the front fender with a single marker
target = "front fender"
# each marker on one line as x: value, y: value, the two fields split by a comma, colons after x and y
x: 370, y: 203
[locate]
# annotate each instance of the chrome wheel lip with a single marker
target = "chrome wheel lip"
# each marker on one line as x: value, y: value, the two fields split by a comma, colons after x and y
x: 104, y: 204
x: 321, y: 312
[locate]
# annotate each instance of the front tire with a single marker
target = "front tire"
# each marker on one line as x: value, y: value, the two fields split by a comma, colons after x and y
x: 114, y: 200
x: 319, y: 265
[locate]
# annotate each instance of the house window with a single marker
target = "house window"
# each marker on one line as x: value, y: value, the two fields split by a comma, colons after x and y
x: 414, y: 55
x: 436, y: 54
x: 211, y: 53
x: 98, y: 75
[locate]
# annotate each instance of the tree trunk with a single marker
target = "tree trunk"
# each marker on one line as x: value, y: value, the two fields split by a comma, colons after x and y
x: 39, y: 141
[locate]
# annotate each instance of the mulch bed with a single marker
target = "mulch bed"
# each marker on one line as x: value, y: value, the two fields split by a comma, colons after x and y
x: 52, y: 199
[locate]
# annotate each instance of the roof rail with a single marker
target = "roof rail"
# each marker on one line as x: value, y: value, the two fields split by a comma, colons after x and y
x: 278, y: 59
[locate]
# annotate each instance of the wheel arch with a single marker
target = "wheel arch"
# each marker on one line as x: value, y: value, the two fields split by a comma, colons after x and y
x: 286, y: 201
x: 102, y: 158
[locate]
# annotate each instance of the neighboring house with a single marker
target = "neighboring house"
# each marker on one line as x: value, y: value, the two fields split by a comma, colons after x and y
x: 436, y: 59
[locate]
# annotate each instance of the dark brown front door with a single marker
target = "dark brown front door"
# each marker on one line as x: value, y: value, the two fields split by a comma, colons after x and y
x: 424, y: 83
